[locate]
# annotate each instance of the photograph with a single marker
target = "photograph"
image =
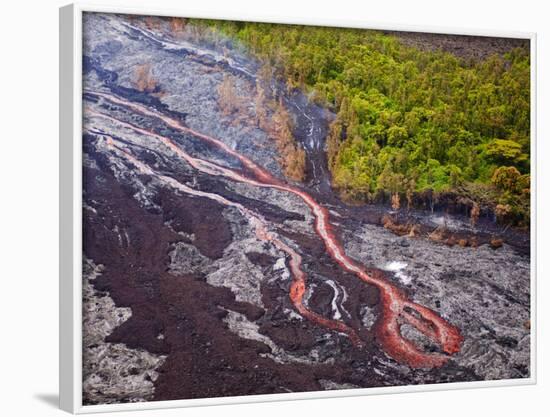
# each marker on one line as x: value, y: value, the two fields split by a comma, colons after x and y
x: 272, y: 208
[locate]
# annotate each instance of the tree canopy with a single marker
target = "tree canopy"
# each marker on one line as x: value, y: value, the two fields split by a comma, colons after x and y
x: 408, y: 120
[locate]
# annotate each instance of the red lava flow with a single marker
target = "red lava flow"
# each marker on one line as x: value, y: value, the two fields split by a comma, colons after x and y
x: 396, y: 308
x: 262, y: 232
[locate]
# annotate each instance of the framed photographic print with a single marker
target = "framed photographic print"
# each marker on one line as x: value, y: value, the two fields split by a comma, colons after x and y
x: 287, y: 209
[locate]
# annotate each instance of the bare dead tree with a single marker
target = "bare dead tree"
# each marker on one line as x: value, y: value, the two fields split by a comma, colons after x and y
x: 143, y: 79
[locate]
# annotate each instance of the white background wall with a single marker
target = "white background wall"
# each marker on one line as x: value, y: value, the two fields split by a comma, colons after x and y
x: 29, y: 194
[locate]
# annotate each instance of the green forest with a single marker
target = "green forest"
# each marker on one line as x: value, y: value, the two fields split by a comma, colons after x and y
x: 408, y: 121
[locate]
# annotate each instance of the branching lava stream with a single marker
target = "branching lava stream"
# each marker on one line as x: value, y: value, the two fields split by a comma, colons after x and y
x: 396, y: 308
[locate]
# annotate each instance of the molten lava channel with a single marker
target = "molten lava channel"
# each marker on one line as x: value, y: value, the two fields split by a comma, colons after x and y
x: 396, y: 307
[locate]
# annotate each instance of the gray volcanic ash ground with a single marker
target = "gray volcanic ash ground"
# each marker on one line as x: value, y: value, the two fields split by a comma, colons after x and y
x: 184, y: 298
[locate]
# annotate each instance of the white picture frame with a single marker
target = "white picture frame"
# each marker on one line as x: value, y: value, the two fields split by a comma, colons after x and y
x: 70, y: 153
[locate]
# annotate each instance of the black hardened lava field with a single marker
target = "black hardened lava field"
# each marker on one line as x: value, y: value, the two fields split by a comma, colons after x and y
x: 263, y: 216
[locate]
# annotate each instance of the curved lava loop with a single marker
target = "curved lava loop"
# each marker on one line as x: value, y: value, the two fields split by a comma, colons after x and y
x: 396, y: 308
x: 262, y: 232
